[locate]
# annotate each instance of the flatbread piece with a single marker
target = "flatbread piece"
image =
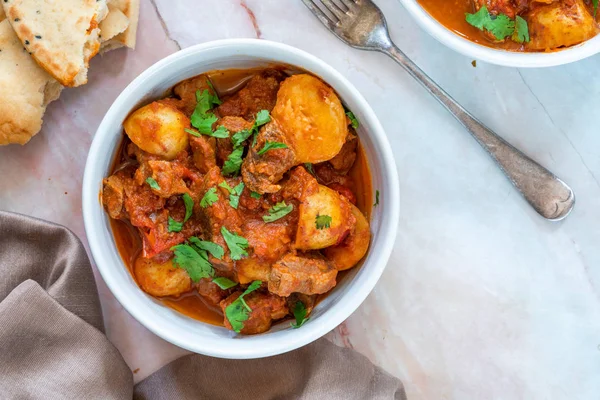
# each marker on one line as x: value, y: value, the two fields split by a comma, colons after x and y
x: 62, y: 35
x: 25, y: 90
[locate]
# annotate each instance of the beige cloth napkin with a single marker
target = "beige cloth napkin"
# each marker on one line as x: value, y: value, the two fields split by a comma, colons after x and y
x: 52, y: 344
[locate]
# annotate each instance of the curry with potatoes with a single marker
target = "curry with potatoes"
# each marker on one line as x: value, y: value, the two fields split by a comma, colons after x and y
x: 519, y: 25
x: 241, y: 197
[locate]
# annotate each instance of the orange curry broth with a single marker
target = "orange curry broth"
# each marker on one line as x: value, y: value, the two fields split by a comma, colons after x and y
x: 451, y: 14
x: 191, y: 303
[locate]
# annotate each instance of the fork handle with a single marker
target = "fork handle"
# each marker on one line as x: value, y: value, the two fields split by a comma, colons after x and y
x: 546, y: 193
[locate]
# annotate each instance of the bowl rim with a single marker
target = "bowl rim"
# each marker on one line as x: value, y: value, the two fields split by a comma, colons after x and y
x: 339, y: 311
x: 496, y: 56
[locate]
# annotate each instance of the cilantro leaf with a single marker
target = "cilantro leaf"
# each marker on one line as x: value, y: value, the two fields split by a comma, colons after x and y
x: 255, y: 195
x: 220, y: 133
x: 238, y: 311
x: 234, y: 193
x: 262, y: 117
x: 310, y: 168
x: 234, y: 162
x: 234, y: 198
x: 352, y: 118
x: 501, y: 26
x: 226, y: 186
x: 595, y: 4
x: 209, y: 198
x: 272, y: 146
x: 205, y: 101
x: 479, y: 19
x: 204, y: 123
x: 215, y: 97
x: 278, y: 211
x: 376, y: 198
x: 235, y: 243
x: 239, y: 137
x: 189, y: 206
x: 323, y: 221
x: 224, y: 283
x: 174, y: 226
x: 522, y: 30
x: 214, y: 249
x: 152, y: 182
x: 192, y: 132
x: 196, y: 266
x: 299, y: 312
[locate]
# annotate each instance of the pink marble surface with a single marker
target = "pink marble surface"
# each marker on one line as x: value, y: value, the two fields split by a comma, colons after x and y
x: 482, y: 299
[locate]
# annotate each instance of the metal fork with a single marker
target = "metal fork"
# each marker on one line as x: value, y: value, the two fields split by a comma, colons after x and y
x: 361, y: 24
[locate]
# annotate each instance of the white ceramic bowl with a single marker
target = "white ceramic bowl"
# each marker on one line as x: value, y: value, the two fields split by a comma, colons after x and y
x: 195, y: 335
x: 494, y: 56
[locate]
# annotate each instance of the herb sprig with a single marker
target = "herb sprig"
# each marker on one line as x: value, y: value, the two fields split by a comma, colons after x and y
x: 238, y: 311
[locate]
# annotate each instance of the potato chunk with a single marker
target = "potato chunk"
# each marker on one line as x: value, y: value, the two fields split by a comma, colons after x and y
x: 161, y: 279
x: 158, y: 129
x: 354, y: 247
x: 560, y: 24
x: 324, y: 203
x: 312, y: 117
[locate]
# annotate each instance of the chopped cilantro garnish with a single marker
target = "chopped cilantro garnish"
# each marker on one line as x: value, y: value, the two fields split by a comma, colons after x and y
x: 215, y: 97
x: 209, y: 198
x: 174, y: 226
x: 192, y: 132
x: 234, y: 193
x: 204, y: 123
x: 299, y: 312
x: 310, y: 168
x: 262, y: 117
x: 595, y: 4
x: 278, y: 211
x: 501, y: 26
x: 352, y: 118
x: 234, y: 162
x: 224, y: 283
x: 152, y: 182
x: 237, y: 245
x: 272, y: 146
x: 189, y: 206
x: 196, y: 266
x: 238, y: 311
x: 323, y: 221
x: 214, y: 249
x: 255, y: 195
x: 521, y: 33
x: 220, y: 133
x: 239, y: 137
x: 376, y: 198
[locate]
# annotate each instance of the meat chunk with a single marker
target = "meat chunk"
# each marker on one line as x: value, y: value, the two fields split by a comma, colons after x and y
x: 299, y: 185
x: 266, y: 308
x: 496, y: 7
x: 161, y: 279
x: 344, y: 160
x: 260, y: 93
x: 225, y: 145
x: 113, y: 195
x: 211, y: 291
x: 268, y: 241
x: 169, y: 177
x: 204, y: 152
x: 261, y: 172
x: 186, y: 91
x: 302, y: 274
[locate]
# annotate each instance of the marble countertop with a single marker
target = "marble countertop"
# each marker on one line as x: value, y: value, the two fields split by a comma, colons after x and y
x: 482, y: 298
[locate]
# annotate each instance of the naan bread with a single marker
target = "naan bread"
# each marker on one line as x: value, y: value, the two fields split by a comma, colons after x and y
x: 114, y: 24
x: 2, y: 15
x: 62, y: 35
x: 25, y: 90
x: 131, y: 9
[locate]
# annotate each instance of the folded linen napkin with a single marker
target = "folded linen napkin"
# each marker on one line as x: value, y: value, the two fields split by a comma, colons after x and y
x: 52, y: 344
